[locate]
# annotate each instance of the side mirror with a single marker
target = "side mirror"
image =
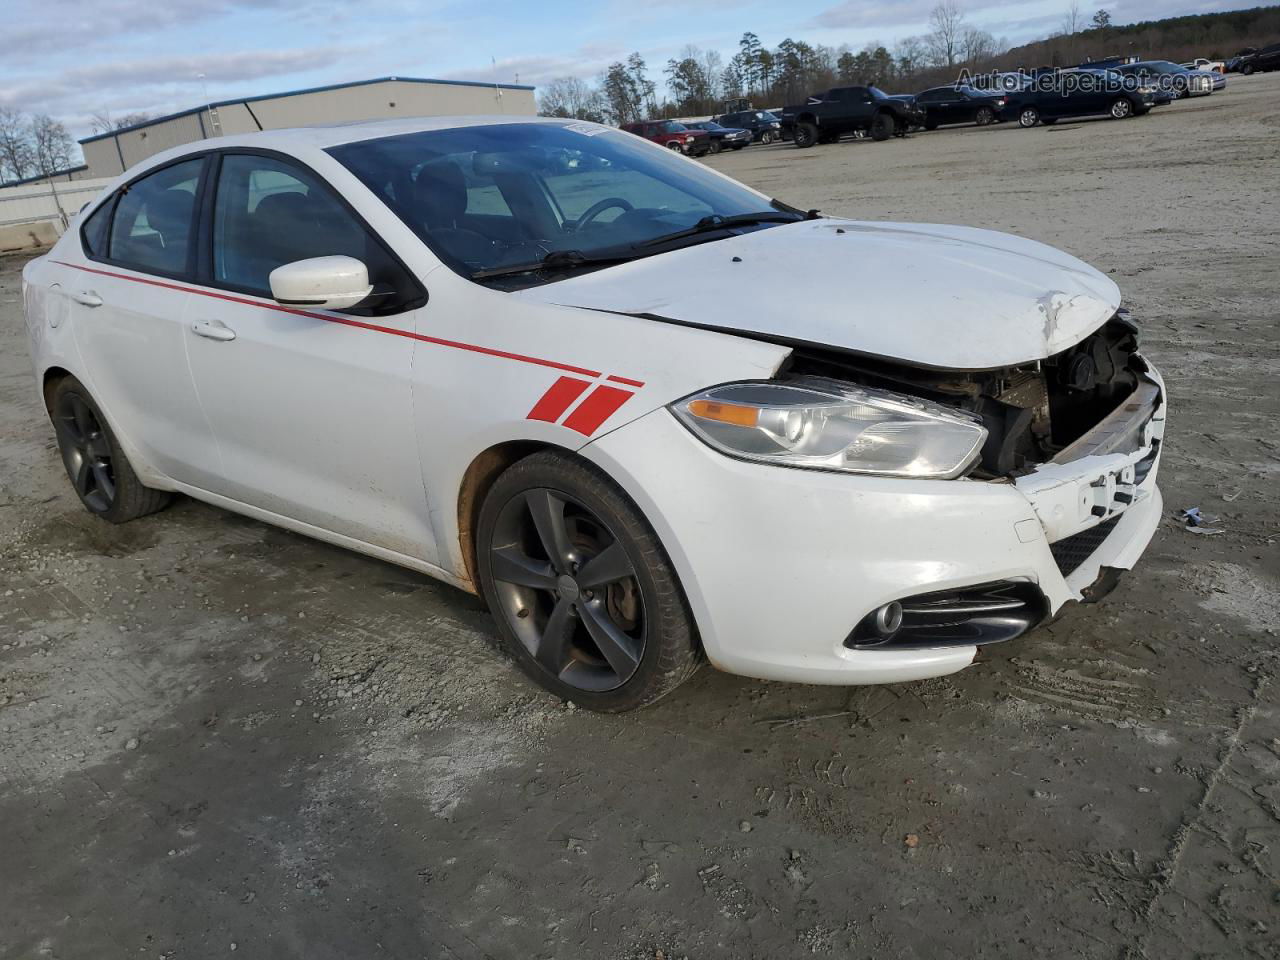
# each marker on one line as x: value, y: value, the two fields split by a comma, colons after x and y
x: 334, y: 283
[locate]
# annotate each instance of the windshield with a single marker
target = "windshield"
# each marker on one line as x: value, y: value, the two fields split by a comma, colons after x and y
x: 496, y: 195
x: 878, y: 93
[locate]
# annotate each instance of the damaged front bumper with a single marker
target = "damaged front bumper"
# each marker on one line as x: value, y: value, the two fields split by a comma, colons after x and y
x: 780, y: 566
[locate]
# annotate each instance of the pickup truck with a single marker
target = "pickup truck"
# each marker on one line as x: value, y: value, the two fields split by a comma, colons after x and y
x: 824, y: 117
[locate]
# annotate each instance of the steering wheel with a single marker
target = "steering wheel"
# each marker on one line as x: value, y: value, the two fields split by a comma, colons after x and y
x: 599, y: 207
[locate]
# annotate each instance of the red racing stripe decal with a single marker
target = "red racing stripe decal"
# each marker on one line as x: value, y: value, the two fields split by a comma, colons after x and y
x: 630, y: 383
x: 600, y: 405
x: 556, y: 401
x: 345, y: 321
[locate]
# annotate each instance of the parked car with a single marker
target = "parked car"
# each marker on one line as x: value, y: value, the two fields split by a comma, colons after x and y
x: 1234, y: 63
x: 764, y: 125
x: 672, y: 135
x: 1169, y: 76
x: 825, y: 116
x: 952, y: 104
x: 1204, y: 63
x: 723, y: 138
x: 589, y: 398
x: 1102, y: 92
x: 1261, y: 60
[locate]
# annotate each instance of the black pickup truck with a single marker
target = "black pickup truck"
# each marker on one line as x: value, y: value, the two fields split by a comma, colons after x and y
x: 824, y: 117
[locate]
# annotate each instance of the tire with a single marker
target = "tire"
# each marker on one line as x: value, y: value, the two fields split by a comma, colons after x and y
x: 931, y: 124
x: 806, y: 135
x: 647, y: 644
x: 766, y: 137
x: 1028, y: 117
x: 883, y: 126
x: 96, y: 465
x: 1247, y: 69
x: 984, y: 117
x: 672, y: 145
x: 715, y: 147
x: 1121, y: 108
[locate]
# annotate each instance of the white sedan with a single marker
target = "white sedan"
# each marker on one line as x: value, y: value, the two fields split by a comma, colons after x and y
x: 652, y: 416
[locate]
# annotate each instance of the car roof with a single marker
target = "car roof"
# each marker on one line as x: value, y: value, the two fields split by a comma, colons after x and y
x: 322, y: 136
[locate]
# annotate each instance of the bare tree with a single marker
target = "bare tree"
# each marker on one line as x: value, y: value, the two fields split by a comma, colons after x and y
x: 103, y: 122
x: 946, y: 24
x: 16, y: 155
x: 571, y: 97
x: 1073, y: 19
x: 51, y: 145
x: 977, y: 46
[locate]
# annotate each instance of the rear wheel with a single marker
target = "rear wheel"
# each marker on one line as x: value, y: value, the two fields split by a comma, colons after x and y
x: 883, y: 126
x: 95, y: 462
x: 584, y: 596
x: 1121, y: 108
x: 1029, y: 117
x: 984, y: 116
x: 806, y: 134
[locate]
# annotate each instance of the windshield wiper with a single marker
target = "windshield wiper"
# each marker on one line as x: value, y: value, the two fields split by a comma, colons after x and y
x: 716, y: 221
x: 555, y: 260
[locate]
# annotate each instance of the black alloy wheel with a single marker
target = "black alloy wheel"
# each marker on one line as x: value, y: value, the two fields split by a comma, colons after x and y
x: 806, y: 135
x: 984, y: 116
x: 883, y: 126
x: 100, y: 473
x: 86, y: 452
x: 583, y: 593
x: 568, y: 590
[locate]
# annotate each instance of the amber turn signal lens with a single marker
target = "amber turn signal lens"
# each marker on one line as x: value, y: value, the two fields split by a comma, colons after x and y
x: 735, y: 413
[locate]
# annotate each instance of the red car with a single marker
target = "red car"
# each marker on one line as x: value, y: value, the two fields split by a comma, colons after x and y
x: 672, y: 135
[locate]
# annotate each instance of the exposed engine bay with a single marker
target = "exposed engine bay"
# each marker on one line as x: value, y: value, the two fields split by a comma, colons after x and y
x: 1032, y: 412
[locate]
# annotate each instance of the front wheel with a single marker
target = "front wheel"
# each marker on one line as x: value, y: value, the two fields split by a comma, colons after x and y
x: 100, y: 473
x: 806, y: 134
x: 675, y: 146
x: 767, y: 137
x: 1029, y: 117
x: 583, y: 593
x: 984, y: 116
x: 715, y: 147
x: 1121, y: 109
x: 1247, y: 69
x: 883, y: 127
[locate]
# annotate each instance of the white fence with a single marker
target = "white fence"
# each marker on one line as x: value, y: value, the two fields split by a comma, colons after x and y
x: 35, y: 202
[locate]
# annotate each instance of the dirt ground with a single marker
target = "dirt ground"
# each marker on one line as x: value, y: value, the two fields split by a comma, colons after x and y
x: 218, y: 736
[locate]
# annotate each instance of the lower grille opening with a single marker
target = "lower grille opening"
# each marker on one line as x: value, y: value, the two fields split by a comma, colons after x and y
x: 988, y: 613
x: 1069, y: 554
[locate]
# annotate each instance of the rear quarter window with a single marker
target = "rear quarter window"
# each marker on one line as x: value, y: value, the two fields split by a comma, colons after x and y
x: 93, y: 234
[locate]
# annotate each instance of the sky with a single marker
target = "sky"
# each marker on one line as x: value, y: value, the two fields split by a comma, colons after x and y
x: 76, y: 58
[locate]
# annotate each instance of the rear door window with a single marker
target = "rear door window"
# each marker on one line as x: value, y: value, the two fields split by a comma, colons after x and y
x: 155, y: 219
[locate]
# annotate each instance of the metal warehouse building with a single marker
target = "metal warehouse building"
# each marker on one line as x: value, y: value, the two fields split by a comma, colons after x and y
x: 111, y: 153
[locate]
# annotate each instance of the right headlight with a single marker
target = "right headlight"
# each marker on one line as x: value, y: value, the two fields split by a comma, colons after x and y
x: 829, y: 425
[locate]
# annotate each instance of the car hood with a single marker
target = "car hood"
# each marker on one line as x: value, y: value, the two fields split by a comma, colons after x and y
x: 926, y: 294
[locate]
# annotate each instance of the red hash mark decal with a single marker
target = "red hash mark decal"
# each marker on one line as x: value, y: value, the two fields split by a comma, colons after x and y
x: 557, y: 400
x: 600, y: 404
x: 597, y: 407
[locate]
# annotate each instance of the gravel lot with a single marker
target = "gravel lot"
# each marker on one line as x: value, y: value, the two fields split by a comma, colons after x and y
x: 215, y: 735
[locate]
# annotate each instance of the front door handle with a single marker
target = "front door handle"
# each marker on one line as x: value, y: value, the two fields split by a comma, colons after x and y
x: 87, y: 298
x: 212, y: 330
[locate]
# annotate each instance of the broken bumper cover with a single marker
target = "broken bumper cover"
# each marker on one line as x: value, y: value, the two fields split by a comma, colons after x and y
x: 779, y: 565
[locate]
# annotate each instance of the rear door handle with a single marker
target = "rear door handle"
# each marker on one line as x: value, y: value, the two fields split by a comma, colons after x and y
x: 213, y: 330
x: 88, y: 298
